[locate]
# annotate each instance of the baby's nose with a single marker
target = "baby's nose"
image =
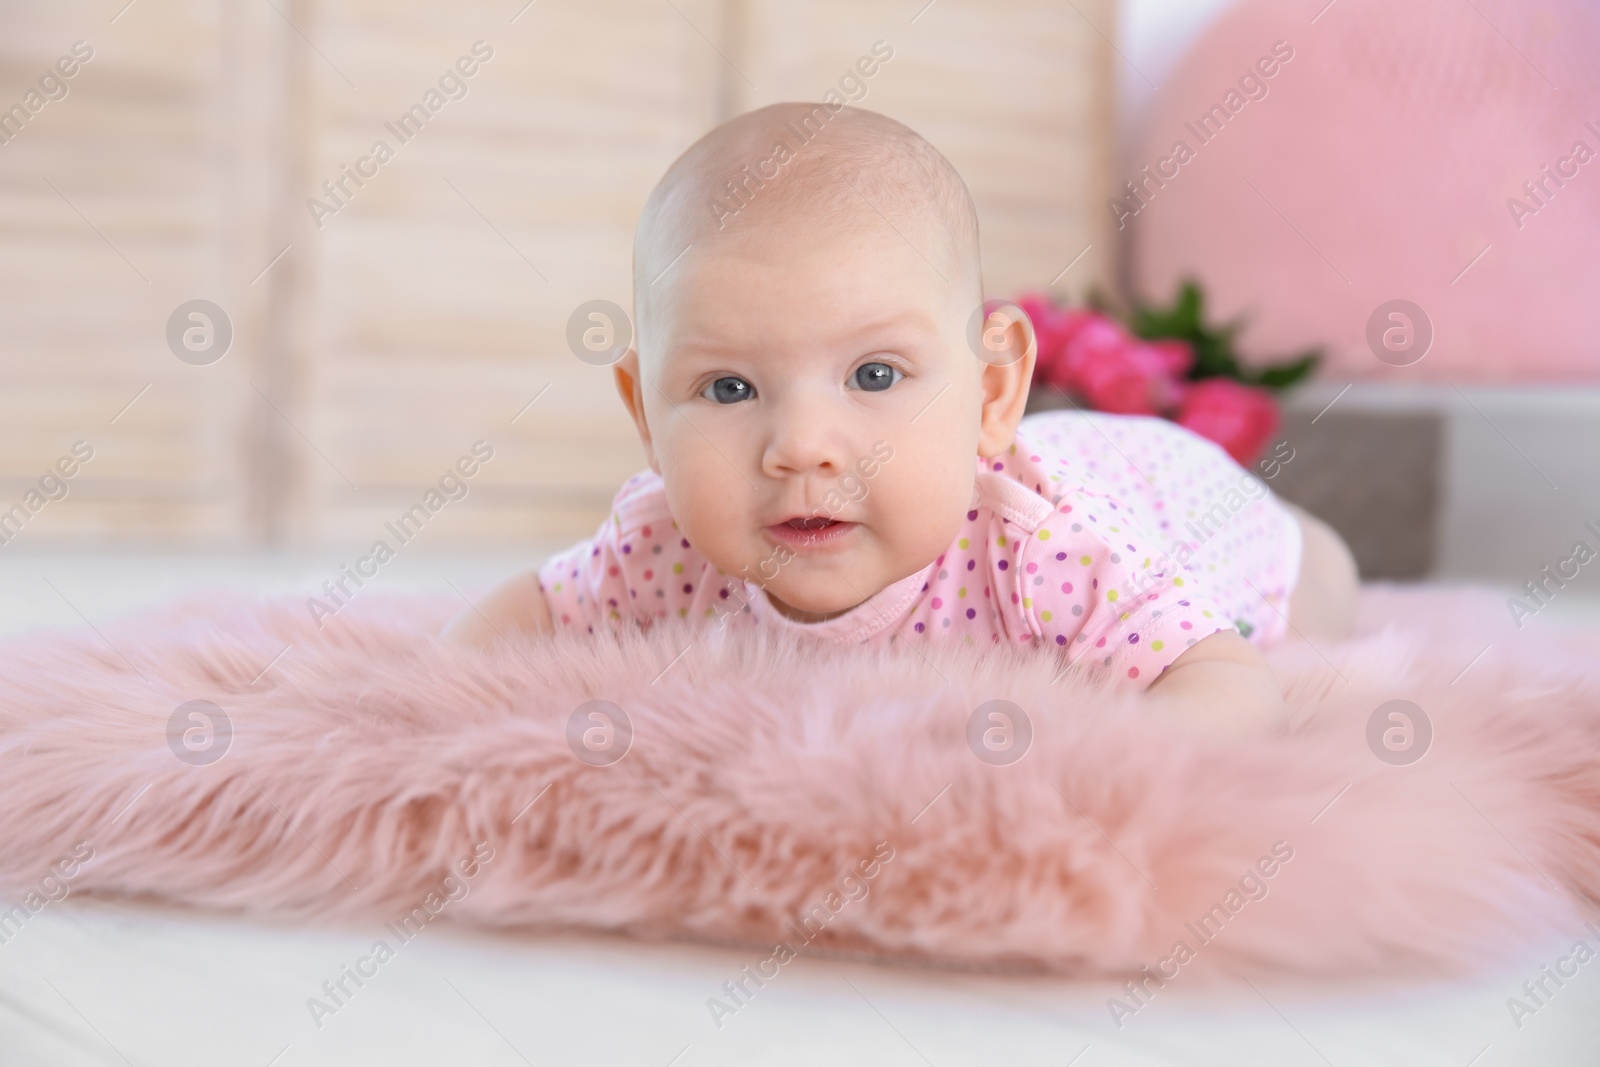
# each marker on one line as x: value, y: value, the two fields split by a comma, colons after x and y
x: 806, y: 435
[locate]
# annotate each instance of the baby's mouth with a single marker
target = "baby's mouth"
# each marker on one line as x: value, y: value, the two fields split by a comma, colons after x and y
x: 811, y: 531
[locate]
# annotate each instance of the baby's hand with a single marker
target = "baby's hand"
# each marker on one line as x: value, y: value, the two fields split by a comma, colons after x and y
x: 1221, y: 685
x: 516, y: 605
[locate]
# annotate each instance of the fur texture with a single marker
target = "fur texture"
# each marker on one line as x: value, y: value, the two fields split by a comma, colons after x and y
x: 369, y: 761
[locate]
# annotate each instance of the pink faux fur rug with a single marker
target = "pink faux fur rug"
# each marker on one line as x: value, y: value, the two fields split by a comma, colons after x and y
x: 822, y: 797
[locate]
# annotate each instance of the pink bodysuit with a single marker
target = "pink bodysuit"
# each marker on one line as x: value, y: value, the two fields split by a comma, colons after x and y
x: 1122, y: 540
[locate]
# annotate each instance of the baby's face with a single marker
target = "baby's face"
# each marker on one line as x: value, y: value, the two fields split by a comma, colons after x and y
x: 806, y: 372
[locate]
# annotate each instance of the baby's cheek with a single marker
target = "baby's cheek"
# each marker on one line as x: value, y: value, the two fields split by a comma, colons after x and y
x: 723, y: 542
x: 914, y: 529
x: 710, y: 501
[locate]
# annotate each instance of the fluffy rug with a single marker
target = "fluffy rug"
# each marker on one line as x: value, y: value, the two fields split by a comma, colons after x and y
x: 829, y: 799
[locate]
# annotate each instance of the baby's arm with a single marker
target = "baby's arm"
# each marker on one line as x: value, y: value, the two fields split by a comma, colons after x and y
x: 516, y: 605
x: 1221, y: 684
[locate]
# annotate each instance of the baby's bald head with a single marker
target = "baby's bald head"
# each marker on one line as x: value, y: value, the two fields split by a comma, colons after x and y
x: 828, y: 171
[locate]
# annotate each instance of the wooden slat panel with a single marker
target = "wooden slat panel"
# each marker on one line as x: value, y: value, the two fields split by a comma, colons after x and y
x: 431, y: 307
x: 117, y: 204
x: 444, y: 287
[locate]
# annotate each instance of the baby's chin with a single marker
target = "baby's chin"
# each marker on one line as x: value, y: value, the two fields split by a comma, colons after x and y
x: 820, y: 582
x: 828, y: 591
x: 813, y: 600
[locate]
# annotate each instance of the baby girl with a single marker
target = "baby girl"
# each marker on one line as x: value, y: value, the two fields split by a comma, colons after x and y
x: 833, y: 452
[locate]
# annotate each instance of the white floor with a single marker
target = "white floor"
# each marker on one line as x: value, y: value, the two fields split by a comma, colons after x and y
x: 110, y: 985
x: 95, y: 983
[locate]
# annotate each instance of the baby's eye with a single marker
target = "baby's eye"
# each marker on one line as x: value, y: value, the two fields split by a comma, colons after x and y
x: 876, y: 377
x: 728, y: 390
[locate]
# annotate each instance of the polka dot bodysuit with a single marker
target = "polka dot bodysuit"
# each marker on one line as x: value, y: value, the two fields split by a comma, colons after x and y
x: 1119, y: 540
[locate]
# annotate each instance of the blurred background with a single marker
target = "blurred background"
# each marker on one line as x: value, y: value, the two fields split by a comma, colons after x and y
x: 278, y: 265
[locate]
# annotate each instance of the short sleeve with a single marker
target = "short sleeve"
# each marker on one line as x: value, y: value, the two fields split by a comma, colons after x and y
x: 637, y: 567
x: 1097, y: 585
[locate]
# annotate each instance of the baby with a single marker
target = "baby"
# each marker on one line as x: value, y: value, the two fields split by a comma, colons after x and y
x: 833, y: 454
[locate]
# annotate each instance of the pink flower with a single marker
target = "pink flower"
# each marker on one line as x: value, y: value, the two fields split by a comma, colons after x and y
x: 1240, y: 418
x: 1096, y: 360
x: 1052, y: 326
x: 1093, y: 357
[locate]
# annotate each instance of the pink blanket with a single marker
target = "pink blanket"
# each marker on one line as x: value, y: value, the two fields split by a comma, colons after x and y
x: 969, y: 807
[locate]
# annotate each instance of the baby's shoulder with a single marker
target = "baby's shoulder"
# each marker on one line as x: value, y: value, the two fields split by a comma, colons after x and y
x: 638, y: 502
x: 1033, y: 516
x: 642, y: 535
x: 636, y: 531
x: 638, y: 564
x: 1007, y: 501
x: 1022, y: 486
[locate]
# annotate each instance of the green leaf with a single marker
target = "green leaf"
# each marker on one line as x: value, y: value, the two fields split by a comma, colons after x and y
x: 1214, y: 355
x: 1283, y: 375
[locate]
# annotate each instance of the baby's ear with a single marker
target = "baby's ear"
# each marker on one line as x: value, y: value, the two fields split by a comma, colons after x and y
x: 1006, y: 357
x: 625, y: 372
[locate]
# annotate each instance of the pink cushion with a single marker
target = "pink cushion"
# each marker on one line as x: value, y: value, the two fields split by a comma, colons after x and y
x: 1384, y: 158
